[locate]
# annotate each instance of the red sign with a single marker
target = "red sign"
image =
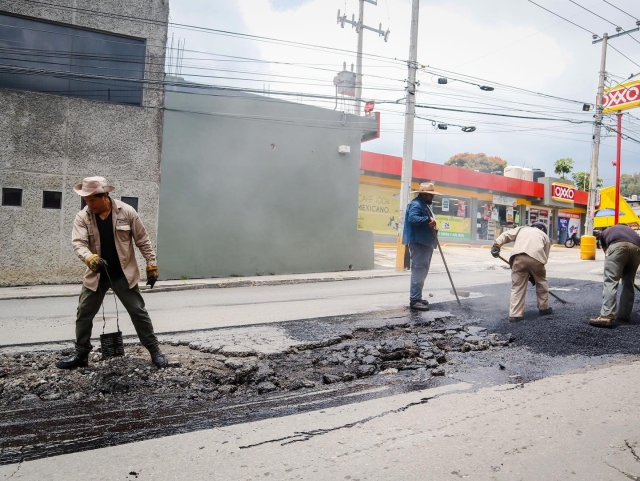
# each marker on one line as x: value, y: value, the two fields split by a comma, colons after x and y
x: 369, y: 106
x: 563, y: 192
x: 621, y: 97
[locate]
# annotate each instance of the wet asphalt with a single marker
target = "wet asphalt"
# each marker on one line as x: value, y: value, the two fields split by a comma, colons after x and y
x: 541, y: 346
x: 564, y: 333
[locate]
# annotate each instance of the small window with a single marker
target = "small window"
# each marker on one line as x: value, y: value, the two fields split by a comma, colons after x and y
x: 132, y: 201
x: 12, y: 197
x: 51, y: 200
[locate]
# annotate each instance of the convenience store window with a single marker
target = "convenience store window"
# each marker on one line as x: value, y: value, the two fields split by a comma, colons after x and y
x: 454, y: 218
x: 493, y: 219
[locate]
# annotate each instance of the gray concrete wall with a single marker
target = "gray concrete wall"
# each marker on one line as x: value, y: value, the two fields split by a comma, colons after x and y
x: 50, y: 142
x: 254, y: 185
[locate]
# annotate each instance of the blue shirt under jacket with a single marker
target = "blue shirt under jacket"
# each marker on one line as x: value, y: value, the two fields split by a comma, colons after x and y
x: 416, y: 223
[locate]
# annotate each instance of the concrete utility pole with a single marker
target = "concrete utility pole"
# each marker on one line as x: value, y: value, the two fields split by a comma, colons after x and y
x: 593, y: 179
x: 409, y: 120
x: 593, y: 189
x: 360, y: 28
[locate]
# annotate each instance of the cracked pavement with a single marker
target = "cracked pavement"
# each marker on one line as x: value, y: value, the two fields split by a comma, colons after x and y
x: 558, y: 402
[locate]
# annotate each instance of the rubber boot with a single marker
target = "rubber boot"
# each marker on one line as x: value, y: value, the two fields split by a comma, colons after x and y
x: 79, y: 359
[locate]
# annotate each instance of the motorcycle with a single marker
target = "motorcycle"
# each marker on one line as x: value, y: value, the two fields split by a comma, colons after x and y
x: 574, y: 240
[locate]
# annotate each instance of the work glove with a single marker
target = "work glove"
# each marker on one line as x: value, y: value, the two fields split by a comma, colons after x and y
x: 532, y: 280
x: 152, y: 275
x: 495, y: 251
x: 93, y: 262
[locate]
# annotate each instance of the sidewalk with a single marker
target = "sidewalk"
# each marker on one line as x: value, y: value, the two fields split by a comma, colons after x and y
x: 73, y: 290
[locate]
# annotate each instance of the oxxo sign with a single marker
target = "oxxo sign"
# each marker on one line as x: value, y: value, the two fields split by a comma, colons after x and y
x: 621, y: 97
x: 563, y: 193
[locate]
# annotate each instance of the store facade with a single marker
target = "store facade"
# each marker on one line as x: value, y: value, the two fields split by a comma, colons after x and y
x: 474, y: 206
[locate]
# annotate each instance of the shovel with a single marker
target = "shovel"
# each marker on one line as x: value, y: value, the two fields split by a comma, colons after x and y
x: 561, y: 300
x: 445, y: 266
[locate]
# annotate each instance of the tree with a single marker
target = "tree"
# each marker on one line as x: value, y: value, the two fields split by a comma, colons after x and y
x: 630, y: 184
x: 480, y: 162
x: 563, y: 166
x: 582, y: 180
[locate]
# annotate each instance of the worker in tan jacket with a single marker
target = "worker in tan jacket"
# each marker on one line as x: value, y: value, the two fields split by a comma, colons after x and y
x: 528, y: 258
x: 103, y: 236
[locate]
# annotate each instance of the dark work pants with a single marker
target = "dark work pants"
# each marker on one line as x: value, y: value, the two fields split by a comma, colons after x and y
x: 620, y: 267
x: 89, y: 305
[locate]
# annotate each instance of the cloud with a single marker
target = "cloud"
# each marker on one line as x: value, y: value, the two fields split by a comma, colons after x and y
x: 513, y: 43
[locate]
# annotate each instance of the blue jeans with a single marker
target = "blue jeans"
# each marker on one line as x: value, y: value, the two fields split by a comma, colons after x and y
x: 420, y: 262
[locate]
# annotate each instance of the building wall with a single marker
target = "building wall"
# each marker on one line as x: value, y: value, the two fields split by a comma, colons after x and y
x: 252, y: 185
x: 51, y: 142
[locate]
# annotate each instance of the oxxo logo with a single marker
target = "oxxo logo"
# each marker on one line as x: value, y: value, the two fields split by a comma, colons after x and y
x: 562, y: 192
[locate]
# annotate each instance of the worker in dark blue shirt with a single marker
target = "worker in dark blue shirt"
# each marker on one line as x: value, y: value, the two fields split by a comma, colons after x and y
x: 419, y: 234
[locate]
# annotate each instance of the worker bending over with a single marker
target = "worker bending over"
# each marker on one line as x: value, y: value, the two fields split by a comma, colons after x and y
x: 621, y: 246
x: 528, y: 258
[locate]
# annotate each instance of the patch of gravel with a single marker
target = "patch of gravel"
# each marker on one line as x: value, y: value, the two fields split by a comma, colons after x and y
x: 208, y: 372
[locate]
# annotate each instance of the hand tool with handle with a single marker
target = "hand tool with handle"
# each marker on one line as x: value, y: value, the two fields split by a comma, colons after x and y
x: 445, y: 266
x: 534, y: 283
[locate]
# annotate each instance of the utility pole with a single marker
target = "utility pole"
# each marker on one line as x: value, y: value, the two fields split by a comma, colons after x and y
x: 409, y: 120
x: 593, y: 176
x: 360, y: 28
x: 593, y: 179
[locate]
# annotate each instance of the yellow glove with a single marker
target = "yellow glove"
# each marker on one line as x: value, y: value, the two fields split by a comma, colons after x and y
x: 93, y: 262
x: 152, y: 275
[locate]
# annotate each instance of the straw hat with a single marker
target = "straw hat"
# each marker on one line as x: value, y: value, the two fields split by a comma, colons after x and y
x: 93, y: 185
x: 426, y: 188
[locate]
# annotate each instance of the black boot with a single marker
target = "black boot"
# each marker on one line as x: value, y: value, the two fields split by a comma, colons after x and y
x: 79, y: 359
x: 158, y: 359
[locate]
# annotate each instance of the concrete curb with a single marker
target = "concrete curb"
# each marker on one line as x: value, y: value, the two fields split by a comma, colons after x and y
x: 221, y: 284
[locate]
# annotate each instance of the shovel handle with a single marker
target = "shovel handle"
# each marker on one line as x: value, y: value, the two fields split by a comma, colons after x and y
x: 561, y: 300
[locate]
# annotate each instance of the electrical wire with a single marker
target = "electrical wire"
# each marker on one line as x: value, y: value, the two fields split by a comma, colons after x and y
x: 593, y: 13
x: 605, y: 1
x: 497, y: 114
x: 632, y: 61
x: 211, y: 30
x: 565, y: 19
x: 436, y: 71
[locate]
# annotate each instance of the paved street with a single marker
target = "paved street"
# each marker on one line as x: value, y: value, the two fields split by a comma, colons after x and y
x: 554, y: 403
x: 52, y: 319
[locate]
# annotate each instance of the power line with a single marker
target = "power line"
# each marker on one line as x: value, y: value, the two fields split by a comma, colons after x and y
x: 605, y: 1
x: 211, y: 30
x: 502, y: 115
x: 560, y: 16
x: 593, y: 13
x: 633, y: 62
x: 435, y: 71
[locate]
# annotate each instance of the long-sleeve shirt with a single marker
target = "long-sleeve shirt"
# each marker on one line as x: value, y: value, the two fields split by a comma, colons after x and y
x: 619, y: 233
x: 528, y: 240
x: 127, y: 228
x: 416, y: 223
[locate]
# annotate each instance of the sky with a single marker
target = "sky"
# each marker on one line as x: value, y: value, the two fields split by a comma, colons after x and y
x: 512, y: 45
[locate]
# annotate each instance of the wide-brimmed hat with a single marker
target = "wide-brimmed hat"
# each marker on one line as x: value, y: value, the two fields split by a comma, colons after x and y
x: 93, y: 185
x: 426, y: 188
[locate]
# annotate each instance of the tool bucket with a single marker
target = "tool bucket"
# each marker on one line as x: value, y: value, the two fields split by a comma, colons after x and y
x: 587, y: 248
x: 112, y: 344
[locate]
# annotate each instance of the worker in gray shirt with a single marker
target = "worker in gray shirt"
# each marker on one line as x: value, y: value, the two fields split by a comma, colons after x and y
x: 621, y: 246
x: 528, y: 259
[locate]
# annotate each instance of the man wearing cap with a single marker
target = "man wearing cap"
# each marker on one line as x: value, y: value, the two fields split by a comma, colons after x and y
x: 621, y: 246
x: 419, y: 234
x: 106, y: 230
x: 528, y: 258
